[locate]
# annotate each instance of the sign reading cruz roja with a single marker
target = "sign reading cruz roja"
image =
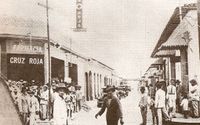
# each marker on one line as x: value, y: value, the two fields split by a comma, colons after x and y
x: 26, y: 60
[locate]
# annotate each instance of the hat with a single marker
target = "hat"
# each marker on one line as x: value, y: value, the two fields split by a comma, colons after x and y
x: 110, y: 88
x: 193, y: 82
x: 24, y: 81
x: 30, y: 92
x: 178, y: 81
x: 61, y: 86
x: 45, y: 86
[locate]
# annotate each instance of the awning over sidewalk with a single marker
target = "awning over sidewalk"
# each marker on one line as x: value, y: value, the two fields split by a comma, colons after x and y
x: 159, y: 61
x: 165, y: 53
x: 180, y: 40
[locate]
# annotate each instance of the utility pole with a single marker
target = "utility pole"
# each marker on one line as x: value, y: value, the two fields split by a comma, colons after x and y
x: 49, y: 56
x: 198, y: 20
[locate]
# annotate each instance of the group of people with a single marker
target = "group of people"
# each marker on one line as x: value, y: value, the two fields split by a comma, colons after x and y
x: 165, y: 101
x: 38, y: 102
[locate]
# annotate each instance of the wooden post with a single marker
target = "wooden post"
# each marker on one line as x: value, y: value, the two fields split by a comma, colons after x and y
x: 173, y: 68
x: 184, y: 67
x: 198, y: 20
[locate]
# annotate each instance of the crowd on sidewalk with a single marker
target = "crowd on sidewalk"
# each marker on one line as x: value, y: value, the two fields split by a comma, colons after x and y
x: 34, y: 103
x: 165, y: 101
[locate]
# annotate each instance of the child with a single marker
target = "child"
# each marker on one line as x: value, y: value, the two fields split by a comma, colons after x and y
x: 143, y: 105
x: 184, y: 105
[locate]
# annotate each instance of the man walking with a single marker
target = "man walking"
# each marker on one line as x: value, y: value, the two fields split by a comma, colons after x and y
x: 114, y: 109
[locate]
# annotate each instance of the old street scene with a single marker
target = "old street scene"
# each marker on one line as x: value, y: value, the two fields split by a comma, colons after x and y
x: 100, y: 62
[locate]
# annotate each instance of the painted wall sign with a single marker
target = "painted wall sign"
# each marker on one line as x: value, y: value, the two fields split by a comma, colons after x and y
x: 25, y: 66
x: 25, y: 46
x: 25, y: 59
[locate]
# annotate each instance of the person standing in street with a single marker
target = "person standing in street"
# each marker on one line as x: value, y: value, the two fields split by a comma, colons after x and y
x: 44, y: 102
x: 151, y: 94
x: 59, y: 108
x: 184, y: 104
x: 33, y: 109
x: 78, y: 99
x: 171, y: 97
x: 114, y: 109
x: 143, y: 106
x: 194, y: 94
x: 23, y: 106
x: 160, y: 103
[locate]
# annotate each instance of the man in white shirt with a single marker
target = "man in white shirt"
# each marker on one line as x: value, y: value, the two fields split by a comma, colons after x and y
x: 160, y: 103
x: 171, y: 97
x: 44, y: 102
x: 33, y: 108
x: 60, y: 108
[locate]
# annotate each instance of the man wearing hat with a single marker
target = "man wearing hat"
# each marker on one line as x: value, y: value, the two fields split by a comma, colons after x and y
x: 59, y: 108
x: 33, y: 108
x: 114, y: 109
x: 44, y: 102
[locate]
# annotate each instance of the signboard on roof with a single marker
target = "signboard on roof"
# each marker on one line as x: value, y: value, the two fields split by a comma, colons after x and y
x: 25, y: 46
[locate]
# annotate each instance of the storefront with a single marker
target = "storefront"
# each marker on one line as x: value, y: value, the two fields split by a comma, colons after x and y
x: 73, y: 72
x: 57, y: 69
x: 22, y: 59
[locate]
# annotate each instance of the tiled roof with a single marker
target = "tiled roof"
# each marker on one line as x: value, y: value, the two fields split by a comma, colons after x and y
x: 172, y: 24
x: 178, y: 40
x: 164, y: 53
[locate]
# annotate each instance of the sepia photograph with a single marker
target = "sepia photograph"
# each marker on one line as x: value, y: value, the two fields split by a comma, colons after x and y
x: 99, y: 62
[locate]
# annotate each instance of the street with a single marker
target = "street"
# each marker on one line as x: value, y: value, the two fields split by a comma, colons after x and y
x: 130, y: 107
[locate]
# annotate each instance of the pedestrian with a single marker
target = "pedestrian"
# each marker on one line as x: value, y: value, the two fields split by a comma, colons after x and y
x: 113, y: 106
x: 44, y: 98
x: 24, y: 106
x: 160, y: 99
x: 194, y: 97
x: 78, y: 98
x: 184, y: 104
x: 68, y: 104
x: 143, y: 106
x: 152, y: 103
x: 171, y: 98
x: 73, y: 99
x: 33, y: 108
x: 60, y: 110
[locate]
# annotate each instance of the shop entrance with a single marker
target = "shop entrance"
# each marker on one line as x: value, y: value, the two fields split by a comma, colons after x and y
x: 25, y: 66
x: 57, y: 69
x: 73, y: 73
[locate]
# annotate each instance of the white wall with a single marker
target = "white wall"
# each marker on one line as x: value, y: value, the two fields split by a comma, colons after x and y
x: 193, y: 48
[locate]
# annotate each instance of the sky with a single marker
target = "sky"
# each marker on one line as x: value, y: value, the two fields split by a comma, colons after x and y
x: 120, y: 33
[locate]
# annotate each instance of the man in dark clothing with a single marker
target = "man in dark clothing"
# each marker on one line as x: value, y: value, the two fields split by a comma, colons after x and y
x: 114, y: 110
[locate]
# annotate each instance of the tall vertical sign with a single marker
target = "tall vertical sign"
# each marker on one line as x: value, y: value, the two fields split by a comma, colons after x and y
x: 79, y: 17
